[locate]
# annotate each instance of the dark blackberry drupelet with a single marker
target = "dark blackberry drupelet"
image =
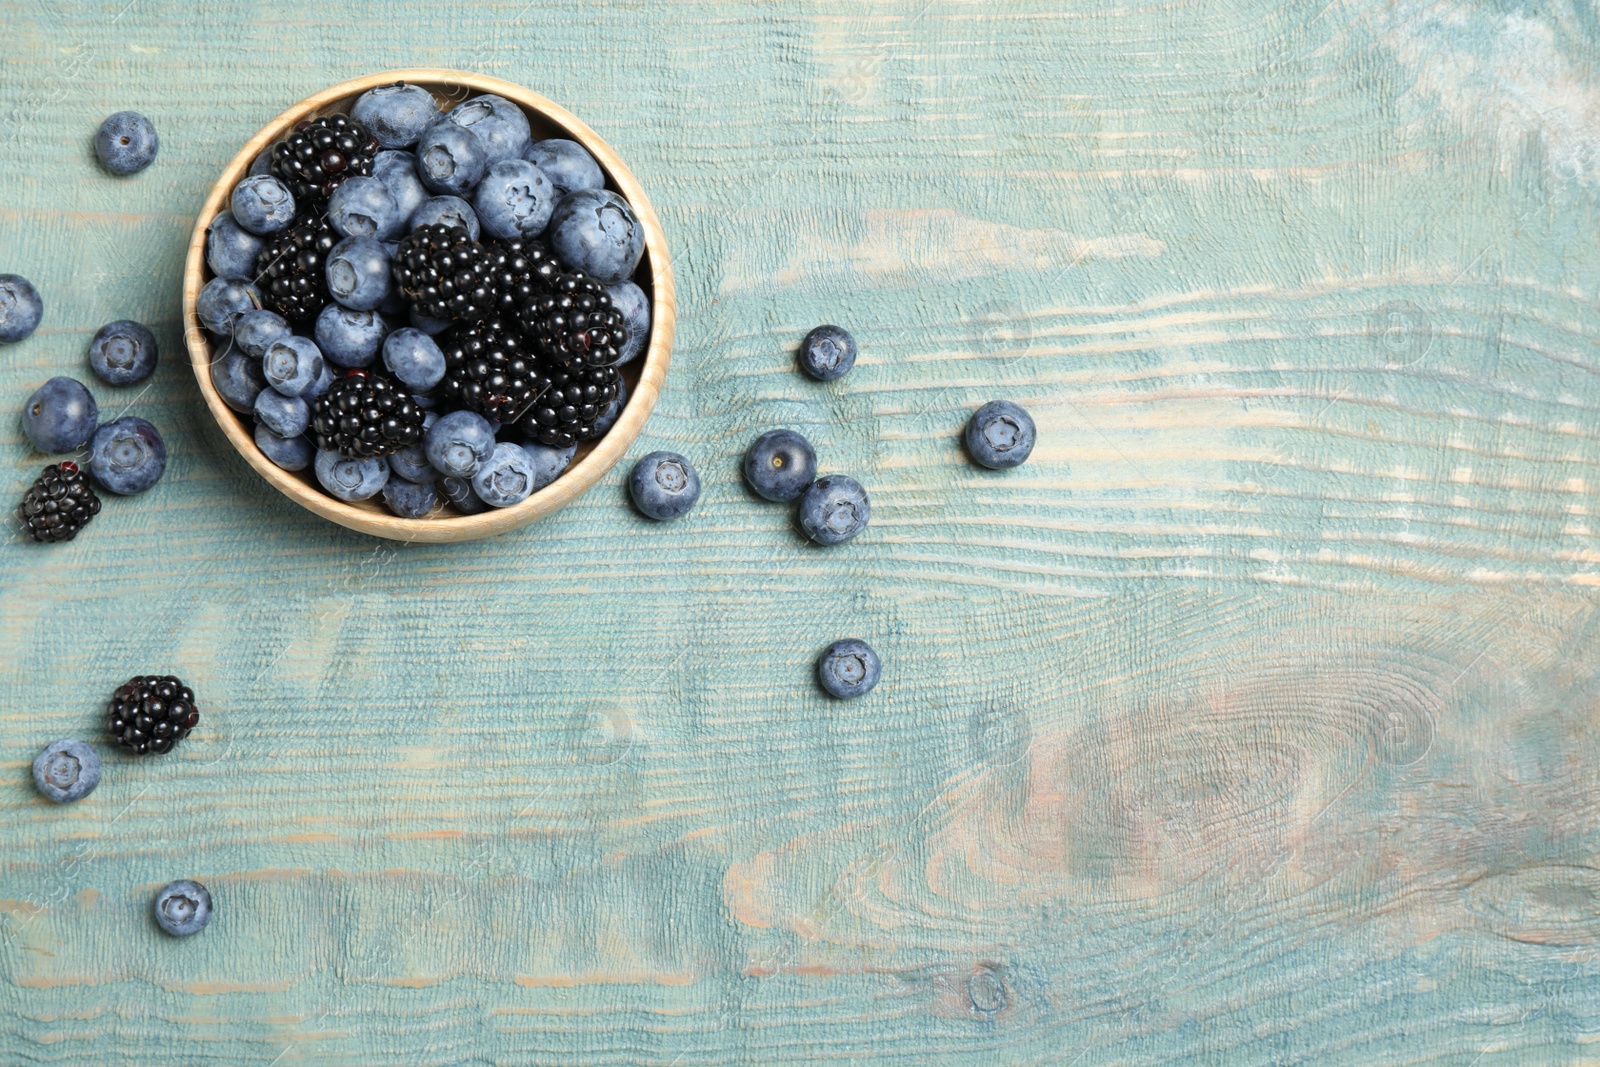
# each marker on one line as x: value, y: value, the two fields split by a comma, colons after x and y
x: 521, y: 271
x: 571, y: 398
x: 487, y: 370
x: 320, y: 154
x: 364, y: 415
x: 291, y: 270
x: 574, y: 320
x: 445, y: 274
x: 59, y: 504
x: 151, y: 713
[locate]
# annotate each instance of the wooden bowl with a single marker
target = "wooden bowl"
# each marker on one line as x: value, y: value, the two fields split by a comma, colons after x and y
x: 594, y: 458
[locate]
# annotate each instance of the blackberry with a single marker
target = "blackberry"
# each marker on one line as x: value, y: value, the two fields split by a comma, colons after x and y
x: 151, y: 713
x: 487, y: 371
x: 574, y: 320
x: 521, y: 270
x: 59, y: 504
x: 320, y: 154
x: 364, y: 415
x: 290, y: 271
x: 445, y: 274
x: 572, y: 397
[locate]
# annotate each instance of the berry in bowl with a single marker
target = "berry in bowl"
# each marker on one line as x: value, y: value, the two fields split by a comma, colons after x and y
x: 429, y: 305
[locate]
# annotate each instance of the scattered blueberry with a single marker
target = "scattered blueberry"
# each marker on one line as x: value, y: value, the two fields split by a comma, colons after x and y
x: 290, y: 453
x: 834, y: 509
x: 848, y: 669
x: 500, y: 126
x: 122, y: 353
x: 827, y: 353
x: 780, y: 465
x: 351, y: 479
x: 60, y: 416
x: 410, y: 500
x: 595, y: 231
x: 459, y: 492
x: 222, y: 301
x: 396, y: 114
x: 505, y: 478
x: 126, y: 143
x: 414, y: 358
x: 459, y: 443
x: 358, y: 273
x: 999, y: 435
x: 262, y: 204
x: 608, y: 418
x: 398, y: 173
x: 363, y: 207
x: 292, y: 365
x: 237, y: 379
x: 450, y: 159
x: 20, y: 308
x: 127, y: 456
x: 567, y: 164
x: 286, y: 416
x: 664, y: 485
x: 449, y: 210
x: 183, y: 908
x: 255, y: 331
x: 66, y: 770
x: 631, y: 300
x: 231, y: 250
x: 514, y: 199
x: 350, y: 338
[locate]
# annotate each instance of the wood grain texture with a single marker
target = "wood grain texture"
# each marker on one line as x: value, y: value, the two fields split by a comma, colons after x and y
x: 1254, y: 721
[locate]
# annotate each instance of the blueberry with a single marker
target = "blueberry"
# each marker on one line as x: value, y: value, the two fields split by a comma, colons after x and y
x: 66, y: 770
x: 350, y: 338
x: 398, y: 173
x: 827, y: 353
x: 358, y: 273
x: 414, y: 358
x: 631, y: 300
x: 664, y: 485
x: 183, y: 908
x: 290, y: 453
x: 548, y: 463
x: 999, y: 435
x: 505, y: 478
x: 60, y: 416
x: 292, y: 365
x: 459, y: 492
x: 255, y: 331
x: 262, y: 164
x: 449, y: 210
x: 595, y: 231
x: 514, y: 199
x: 319, y: 386
x: 362, y: 206
x: 458, y: 443
x: 237, y: 379
x: 780, y: 465
x: 351, y: 479
x: 834, y: 510
x: 122, y: 352
x: 127, y: 456
x: 848, y: 669
x: 567, y: 164
x: 608, y: 418
x: 222, y: 301
x: 412, y: 463
x: 450, y: 159
x: 396, y: 114
x: 499, y: 125
x: 431, y: 327
x: 126, y: 143
x: 286, y: 416
x: 410, y: 500
x: 231, y: 250
x: 20, y: 308
x: 262, y: 204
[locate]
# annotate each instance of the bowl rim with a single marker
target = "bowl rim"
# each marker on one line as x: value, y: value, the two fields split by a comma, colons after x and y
x: 574, y: 481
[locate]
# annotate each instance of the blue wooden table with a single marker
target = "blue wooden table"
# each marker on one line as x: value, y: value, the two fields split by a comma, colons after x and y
x: 1256, y: 720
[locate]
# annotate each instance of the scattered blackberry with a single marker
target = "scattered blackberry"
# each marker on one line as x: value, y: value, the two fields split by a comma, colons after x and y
x: 521, y: 270
x: 320, y: 154
x: 445, y: 274
x: 572, y: 397
x: 574, y: 321
x: 290, y: 270
x: 151, y: 713
x: 363, y: 415
x: 487, y: 371
x: 59, y: 504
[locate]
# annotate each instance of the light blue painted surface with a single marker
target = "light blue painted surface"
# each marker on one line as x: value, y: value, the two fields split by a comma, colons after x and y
x: 1254, y: 721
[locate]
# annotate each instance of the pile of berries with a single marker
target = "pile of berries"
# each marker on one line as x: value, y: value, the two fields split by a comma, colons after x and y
x: 431, y: 306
